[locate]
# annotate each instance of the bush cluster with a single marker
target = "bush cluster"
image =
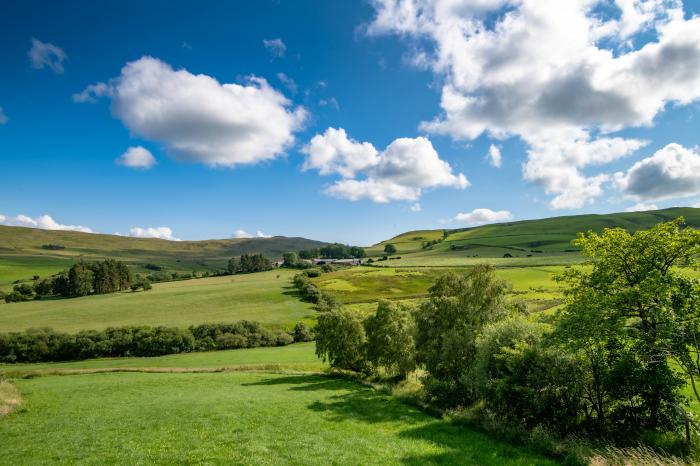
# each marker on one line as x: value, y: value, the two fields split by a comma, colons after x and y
x: 310, y: 292
x: 611, y: 365
x: 45, y: 344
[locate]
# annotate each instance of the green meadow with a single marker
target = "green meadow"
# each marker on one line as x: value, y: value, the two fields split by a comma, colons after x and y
x: 232, y: 418
x: 264, y: 297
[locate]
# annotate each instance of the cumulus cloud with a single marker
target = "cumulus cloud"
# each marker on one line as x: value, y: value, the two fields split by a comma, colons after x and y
x: 673, y: 171
x: 3, y: 117
x: 416, y: 207
x: 44, y: 222
x: 494, y: 156
x: 276, y: 47
x: 558, y: 75
x: 641, y: 207
x: 153, y: 232
x: 201, y: 120
x: 137, y: 157
x: 245, y: 234
x: 91, y: 93
x: 44, y: 54
x: 400, y: 172
x: 483, y: 216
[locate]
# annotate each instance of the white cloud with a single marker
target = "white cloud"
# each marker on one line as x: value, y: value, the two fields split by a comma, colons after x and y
x: 483, y: 216
x: 288, y: 82
x: 641, y: 207
x: 401, y: 172
x: 153, y: 232
x: 92, y: 93
x: 137, y: 157
x: 553, y: 73
x: 199, y: 119
x: 245, y: 234
x: 276, y: 47
x: 44, y: 222
x: 3, y: 117
x: 44, y: 54
x: 494, y: 156
x: 415, y: 207
x: 673, y: 171
x: 329, y: 102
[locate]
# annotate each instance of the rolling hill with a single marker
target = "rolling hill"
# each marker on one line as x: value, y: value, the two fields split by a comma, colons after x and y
x: 545, y: 240
x: 23, y: 251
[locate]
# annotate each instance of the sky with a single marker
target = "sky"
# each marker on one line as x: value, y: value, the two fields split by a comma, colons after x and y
x: 343, y: 121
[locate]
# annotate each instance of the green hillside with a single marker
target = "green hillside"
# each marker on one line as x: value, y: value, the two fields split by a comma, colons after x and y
x: 22, y: 254
x: 542, y: 242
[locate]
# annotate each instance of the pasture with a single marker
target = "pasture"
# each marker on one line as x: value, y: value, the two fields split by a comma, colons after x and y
x: 232, y: 417
x: 265, y: 297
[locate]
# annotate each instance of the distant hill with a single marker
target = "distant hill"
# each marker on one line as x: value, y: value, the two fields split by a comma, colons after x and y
x: 23, y: 251
x: 543, y: 236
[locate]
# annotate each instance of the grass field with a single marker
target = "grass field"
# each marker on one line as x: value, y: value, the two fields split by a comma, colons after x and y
x: 231, y: 418
x: 358, y: 285
x: 265, y: 297
x: 299, y: 356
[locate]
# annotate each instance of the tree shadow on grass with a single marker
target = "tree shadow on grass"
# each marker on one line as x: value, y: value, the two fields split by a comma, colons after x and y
x: 459, y: 445
x: 306, y: 383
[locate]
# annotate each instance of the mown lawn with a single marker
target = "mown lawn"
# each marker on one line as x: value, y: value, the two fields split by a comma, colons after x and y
x: 265, y: 297
x: 231, y: 418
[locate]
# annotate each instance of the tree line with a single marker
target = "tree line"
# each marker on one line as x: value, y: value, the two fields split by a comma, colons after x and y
x: 45, y: 344
x: 612, y: 364
x: 82, y: 279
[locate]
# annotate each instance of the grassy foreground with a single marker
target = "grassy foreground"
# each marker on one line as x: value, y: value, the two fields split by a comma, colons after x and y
x: 265, y: 297
x: 241, y: 418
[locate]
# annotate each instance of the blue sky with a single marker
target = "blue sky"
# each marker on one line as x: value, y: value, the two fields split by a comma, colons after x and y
x: 596, y: 112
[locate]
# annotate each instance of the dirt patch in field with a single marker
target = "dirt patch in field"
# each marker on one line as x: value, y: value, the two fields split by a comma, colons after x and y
x: 10, y: 398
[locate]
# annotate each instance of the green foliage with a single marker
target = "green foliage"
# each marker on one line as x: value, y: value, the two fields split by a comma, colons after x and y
x: 290, y: 259
x: 390, y: 249
x: 21, y: 292
x: 341, y: 340
x: 302, y: 332
x: 341, y: 251
x: 43, y: 287
x: 80, y: 280
x: 459, y: 307
x: 624, y: 316
x: 523, y: 382
x: 391, y: 338
x: 309, y: 254
x: 45, y: 344
x: 249, y: 263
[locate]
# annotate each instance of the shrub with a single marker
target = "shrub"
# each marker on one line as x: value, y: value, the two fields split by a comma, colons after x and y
x: 302, y: 332
x: 391, y: 338
x: 341, y: 339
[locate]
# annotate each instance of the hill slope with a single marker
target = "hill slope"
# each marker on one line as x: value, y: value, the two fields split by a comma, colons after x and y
x: 542, y: 238
x: 22, y: 254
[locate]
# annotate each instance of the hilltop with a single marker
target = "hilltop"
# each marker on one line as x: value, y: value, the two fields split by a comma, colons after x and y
x: 23, y: 251
x: 547, y: 240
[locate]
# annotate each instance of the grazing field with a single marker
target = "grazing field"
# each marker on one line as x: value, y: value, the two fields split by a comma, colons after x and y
x: 232, y: 417
x: 265, y: 297
x: 530, y: 242
x: 359, y: 285
x: 299, y: 356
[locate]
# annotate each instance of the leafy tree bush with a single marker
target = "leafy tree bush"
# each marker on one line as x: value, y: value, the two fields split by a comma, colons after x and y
x: 290, y: 259
x: 302, y: 332
x: 391, y: 338
x: 390, y: 249
x: 523, y: 382
x: 341, y: 340
x: 43, y: 287
x: 21, y: 292
x: 625, y: 316
x: 45, y: 344
x: 448, y: 324
x: 249, y: 263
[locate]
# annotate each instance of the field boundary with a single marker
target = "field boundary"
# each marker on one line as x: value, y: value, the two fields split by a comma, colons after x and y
x: 272, y: 368
x: 10, y: 397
